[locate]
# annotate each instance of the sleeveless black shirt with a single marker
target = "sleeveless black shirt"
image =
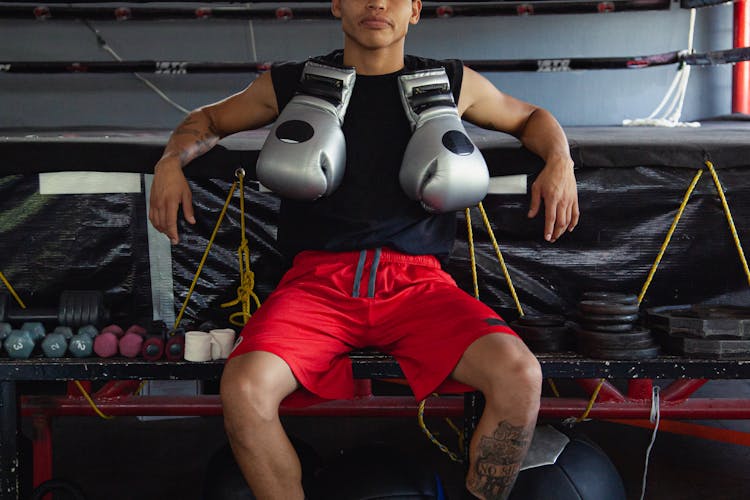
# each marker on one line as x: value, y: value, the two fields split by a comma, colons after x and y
x: 369, y: 209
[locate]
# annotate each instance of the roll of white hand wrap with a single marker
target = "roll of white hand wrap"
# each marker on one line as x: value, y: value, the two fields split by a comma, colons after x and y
x: 198, y: 346
x: 223, y: 342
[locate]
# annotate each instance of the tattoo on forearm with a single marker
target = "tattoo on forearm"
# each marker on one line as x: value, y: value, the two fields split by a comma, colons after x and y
x: 489, y: 125
x: 204, y: 140
x: 499, y: 459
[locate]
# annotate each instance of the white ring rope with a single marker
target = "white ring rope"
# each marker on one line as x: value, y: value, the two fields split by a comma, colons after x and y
x: 675, y: 95
x: 104, y: 45
x: 654, y: 418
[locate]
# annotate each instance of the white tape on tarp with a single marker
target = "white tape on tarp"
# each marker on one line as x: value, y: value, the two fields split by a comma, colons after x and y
x: 508, y: 184
x: 89, y: 182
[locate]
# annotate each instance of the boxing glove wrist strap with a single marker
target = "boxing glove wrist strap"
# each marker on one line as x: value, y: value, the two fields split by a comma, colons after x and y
x: 426, y: 94
x: 333, y: 84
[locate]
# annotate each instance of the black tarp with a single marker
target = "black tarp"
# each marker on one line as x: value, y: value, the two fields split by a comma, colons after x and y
x: 631, y: 182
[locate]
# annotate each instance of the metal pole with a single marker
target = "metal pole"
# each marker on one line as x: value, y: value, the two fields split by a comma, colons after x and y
x: 741, y: 70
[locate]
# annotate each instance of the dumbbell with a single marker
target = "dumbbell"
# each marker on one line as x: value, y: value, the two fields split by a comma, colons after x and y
x: 106, y: 343
x: 5, y: 329
x: 153, y: 344
x: 21, y: 343
x: 76, y: 308
x: 82, y: 343
x: 65, y: 331
x: 55, y: 344
x: 36, y: 329
x: 131, y: 342
x: 175, y: 348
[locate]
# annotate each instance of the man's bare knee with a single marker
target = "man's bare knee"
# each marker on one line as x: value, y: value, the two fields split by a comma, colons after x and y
x: 513, y: 386
x: 250, y: 397
x: 252, y: 388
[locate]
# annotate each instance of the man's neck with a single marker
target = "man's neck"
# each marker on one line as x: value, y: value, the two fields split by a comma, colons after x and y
x: 374, y: 62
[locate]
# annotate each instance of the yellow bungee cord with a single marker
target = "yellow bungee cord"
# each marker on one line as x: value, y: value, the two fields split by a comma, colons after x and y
x: 473, y: 263
x: 247, y: 278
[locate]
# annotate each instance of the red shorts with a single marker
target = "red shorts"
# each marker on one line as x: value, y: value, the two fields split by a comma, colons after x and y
x: 331, y: 303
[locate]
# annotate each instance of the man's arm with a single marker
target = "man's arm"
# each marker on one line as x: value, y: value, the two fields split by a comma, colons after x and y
x: 252, y: 108
x: 482, y: 104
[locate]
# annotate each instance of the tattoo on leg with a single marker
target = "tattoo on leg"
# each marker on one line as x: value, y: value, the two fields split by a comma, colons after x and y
x: 499, y: 459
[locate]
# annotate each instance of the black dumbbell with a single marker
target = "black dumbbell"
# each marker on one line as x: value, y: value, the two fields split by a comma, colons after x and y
x: 153, y: 343
x: 76, y: 308
x: 175, y: 348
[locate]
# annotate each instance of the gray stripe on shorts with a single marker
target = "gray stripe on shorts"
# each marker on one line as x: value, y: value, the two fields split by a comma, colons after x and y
x: 358, y: 274
x: 373, y: 273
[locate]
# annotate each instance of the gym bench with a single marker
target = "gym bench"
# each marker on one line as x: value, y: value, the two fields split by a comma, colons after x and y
x: 122, y: 377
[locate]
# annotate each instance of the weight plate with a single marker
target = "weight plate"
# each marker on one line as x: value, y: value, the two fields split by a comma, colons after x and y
x: 541, y: 320
x: 540, y: 332
x: 600, y: 307
x: 549, y: 345
x: 714, y: 348
x: 633, y: 330
x: 616, y: 342
x: 4, y: 300
x: 81, y: 307
x: 702, y: 320
x: 611, y: 297
x: 639, y: 353
x: 616, y: 328
x: 614, y: 339
x: 610, y: 319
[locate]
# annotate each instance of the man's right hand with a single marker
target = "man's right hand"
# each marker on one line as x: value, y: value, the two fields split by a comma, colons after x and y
x: 168, y: 191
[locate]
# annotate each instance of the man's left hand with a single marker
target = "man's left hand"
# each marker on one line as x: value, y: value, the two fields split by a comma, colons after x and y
x: 556, y: 186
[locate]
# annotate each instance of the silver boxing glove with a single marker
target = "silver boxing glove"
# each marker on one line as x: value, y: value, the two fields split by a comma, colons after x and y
x: 304, y: 155
x: 441, y: 167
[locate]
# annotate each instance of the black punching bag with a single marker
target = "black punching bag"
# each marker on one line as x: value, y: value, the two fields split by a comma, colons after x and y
x: 378, y: 472
x: 566, y: 468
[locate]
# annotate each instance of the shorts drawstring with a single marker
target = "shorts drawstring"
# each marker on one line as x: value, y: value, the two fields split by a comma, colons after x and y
x: 373, y: 273
x: 360, y: 270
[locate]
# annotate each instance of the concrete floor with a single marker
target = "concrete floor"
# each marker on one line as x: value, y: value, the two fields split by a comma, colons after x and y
x: 127, y: 458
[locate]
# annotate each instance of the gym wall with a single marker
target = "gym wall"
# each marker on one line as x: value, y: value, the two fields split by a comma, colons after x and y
x: 596, y: 97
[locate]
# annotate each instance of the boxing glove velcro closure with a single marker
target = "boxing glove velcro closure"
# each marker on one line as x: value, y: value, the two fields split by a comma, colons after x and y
x: 426, y: 93
x: 333, y: 84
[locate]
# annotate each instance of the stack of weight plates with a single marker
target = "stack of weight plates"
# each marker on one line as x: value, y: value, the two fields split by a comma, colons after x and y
x: 607, y: 327
x: 703, y: 331
x: 544, y: 332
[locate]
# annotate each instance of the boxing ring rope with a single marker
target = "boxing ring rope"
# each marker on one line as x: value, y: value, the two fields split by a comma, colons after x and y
x: 122, y: 11
x: 728, y: 56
